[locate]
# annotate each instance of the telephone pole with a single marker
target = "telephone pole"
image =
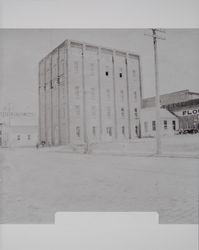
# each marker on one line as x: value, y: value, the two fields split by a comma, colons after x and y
x: 157, y: 93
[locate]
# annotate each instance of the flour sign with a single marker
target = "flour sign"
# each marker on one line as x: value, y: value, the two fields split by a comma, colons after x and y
x: 190, y: 112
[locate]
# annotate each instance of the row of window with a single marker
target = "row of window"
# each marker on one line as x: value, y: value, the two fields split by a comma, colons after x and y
x: 19, y: 137
x: 108, y: 131
x: 108, y: 111
x: 107, y: 70
x: 108, y: 94
x: 165, y: 123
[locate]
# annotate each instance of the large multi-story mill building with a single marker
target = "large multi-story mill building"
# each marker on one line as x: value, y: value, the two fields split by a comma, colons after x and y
x: 88, y: 94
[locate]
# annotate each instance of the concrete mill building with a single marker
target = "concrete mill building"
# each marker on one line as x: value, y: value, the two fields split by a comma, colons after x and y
x: 89, y: 94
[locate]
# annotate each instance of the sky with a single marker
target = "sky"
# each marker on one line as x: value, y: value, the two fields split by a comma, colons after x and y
x: 22, y: 49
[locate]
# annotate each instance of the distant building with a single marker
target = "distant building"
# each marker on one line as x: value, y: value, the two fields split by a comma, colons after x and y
x: 179, y: 110
x: 88, y: 94
x: 171, y: 98
x: 169, y: 122
x: 18, y: 129
x: 187, y: 113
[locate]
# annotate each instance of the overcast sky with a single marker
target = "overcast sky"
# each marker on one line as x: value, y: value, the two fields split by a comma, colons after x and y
x: 21, y: 50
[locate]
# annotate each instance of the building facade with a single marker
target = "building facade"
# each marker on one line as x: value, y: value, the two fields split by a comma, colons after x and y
x: 187, y: 113
x: 169, y: 122
x: 179, y: 109
x: 88, y: 94
x: 18, y: 129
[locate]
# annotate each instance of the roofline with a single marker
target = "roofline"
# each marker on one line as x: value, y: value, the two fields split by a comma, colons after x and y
x: 89, y: 44
x: 181, y: 104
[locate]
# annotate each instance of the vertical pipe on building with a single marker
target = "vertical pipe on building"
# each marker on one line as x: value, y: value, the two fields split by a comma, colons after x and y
x: 99, y: 94
x: 128, y: 97
x: 140, y: 87
x: 51, y: 100
x: 45, y: 108
x: 39, y: 116
x: 58, y: 101
x: 114, y: 95
x: 64, y: 107
x: 67, y: 79
x: 84, y: 101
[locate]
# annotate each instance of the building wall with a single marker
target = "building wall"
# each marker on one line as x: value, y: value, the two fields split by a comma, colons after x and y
x: 148, y: 118
x: 95, y: 95
x: 3, y: 136
x: 18, y: 136
x: 23, y: 136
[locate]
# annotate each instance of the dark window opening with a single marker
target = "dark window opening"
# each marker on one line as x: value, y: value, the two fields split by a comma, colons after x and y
x: 153, y: 125
x: 106, y: 73
x: 136, y: 112
x: 122, y: 112
x: 165, y: 124
x: 120, y: 75
x: 94, y: 131
x: 136, y: 130
x: 109, y: 131
x: 174, y: 125
x: 123, y: 130
x: 78, y: 131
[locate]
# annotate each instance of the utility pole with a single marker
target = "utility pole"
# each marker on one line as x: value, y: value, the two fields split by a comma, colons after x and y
x: 157, y: 94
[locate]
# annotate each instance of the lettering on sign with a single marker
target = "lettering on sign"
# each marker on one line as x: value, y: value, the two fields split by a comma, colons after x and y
x: 190, y: 112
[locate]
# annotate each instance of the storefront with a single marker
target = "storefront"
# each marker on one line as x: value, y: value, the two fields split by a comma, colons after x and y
x: 187, y: 113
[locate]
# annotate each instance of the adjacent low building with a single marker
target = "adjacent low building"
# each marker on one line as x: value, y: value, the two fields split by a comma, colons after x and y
x: 179, y: 111
x: 169, y: 122
x: 18, y: 129
x: 187, y: 113
x: 89, y: 94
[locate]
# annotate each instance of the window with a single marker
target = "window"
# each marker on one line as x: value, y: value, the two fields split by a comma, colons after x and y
x: 136, y: 130
x: 92, y: 69
x: 146, y: 127
x: 108, y: 112
x: 134, y: 73
x: 122, y: 112
x: 122, y: 95
x: 93, y: 93
x: 153, y: 125
x: 165, y: 124
x: 136, y: 112
x: 135, y: 95
x: 18, y: 137
x: 94, y: 131
x: 77, y: 92
x: 93, y: 111
x: 76, y: 66
x: 77, y: 110
x: 107, y: 71
x: 0, y: 132
x: 174, y: 125
x: 120, y: 72
x: 109, y: 131
x: 108, y: 94
x: 78, y: 131
x: 29, y: 137
x: 123, y: 130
